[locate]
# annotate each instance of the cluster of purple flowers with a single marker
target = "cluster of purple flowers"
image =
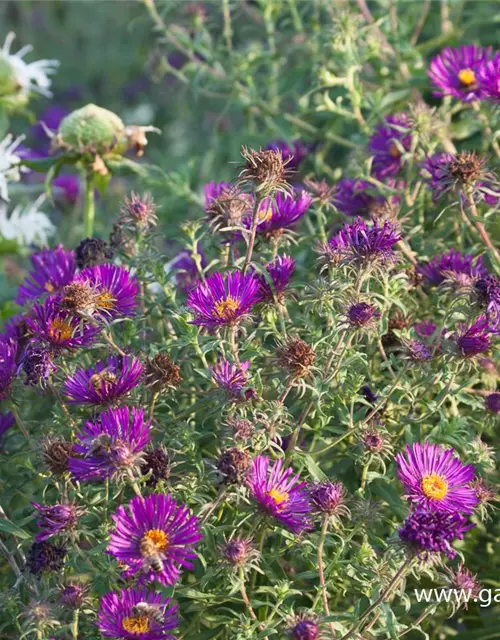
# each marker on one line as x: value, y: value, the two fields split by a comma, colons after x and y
x: 439, y: 490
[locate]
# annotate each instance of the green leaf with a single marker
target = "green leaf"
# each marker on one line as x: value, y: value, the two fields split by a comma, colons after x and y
x: 9, y: 527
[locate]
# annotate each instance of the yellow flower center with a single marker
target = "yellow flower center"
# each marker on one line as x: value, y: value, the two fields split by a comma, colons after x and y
x: 154, y: 539
x: 49, y: 286
x: 264, y: 214
x: 434, y: 487
x: 394, y: 151
x: 105, y: 300
x: 280, y: 498
x: 226, y: 309
x: 136, y: 624
x: 466, y: 77
x: 60, y: 330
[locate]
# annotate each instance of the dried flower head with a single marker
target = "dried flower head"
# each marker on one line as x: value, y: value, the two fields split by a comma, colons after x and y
x: 56, y: 519
x: 241, y: 429
x: 465, y: 584
x: 161, y: 373
x: 320, y: 190
x: 373, y: 440
x: 73, y: 595
x: 234, y: 465
x: 267, y: 170
x: 297, y: 357
x: 156, y: 464
x: 56, y: 452
x: 228, y: 209
x: 43, y: 557
x: 91, y: 252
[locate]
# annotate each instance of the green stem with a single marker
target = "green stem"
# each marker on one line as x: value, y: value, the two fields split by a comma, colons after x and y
x: 74, y: 625
x: 89, y: 211
x: 321, y: 572
x: 21, y: 426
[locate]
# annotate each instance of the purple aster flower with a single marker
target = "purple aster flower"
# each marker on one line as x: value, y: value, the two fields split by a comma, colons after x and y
x: 363, y: 244
x: 492, y: 403
x: 279, y: 272
x: 69, y: 187
x: 8, y: 365
x: 15, y: 327
x: 487, y: 295
x: 281, y: 212
x: 133, y: 614
x: 108, y: 381
x: 474, y: 339
x: 185, y: 269
x: 238, y: 551
x: 223, y: 300
x: 116, y: 290
x: 488, y: 76
x: 73, y: 595
x: 389, y: 142
x: 293, y: 154
x: 154, y: 537
x: 417, y: 351
x: 53, y: 269
x: 362, y: 314
x: 452, y: 266
x: 354, y: 197
x: 213, y: 190
x: 425, y: 329
x: 328, y: 498
x: 37, y: 364
x: 436, y: 479
x: 304, y: 627
x: 279, y: 494
x: 454, y: 71
x: 58, y: 329
x: 113, y: 444
x: 56, y: 519
x: 7, y: 421
x: 433, y: 531
x: 232, y: 378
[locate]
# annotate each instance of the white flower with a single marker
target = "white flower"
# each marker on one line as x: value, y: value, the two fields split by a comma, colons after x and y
x: 9, y: 164
x: 30, y: 76
x: 28, y: 226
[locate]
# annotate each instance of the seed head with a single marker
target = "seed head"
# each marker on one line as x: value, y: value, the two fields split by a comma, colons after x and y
x: 467, y: 168
x: 161, y: 373
x: 265, y: 169
x: 234, y: 465
x: 91, y: 252
x: 241, y: 429
x: 296, y: 356
x: 44, y: 557
x: 79, y: 298
x: 56, y: 452
x: 157, y: 463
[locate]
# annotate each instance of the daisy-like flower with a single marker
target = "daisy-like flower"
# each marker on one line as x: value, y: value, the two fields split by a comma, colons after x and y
x: 293, y: 154
x: 455, y: 72
x: 133, y: 614
x: 436, y: 479
x: 58, y: 329
x: 452, y: 266
x: 52, y: 270
x: 471, y: 340
x: 223, y: 300
x: 8, y: 365
x: 111, y: 445
x: 275, y: 281
x: 362, y: 244
x: 388, y: 144
x: 488, y: 76
x: 232, y: 378
x: 214, y: 190
x: 10, y: 169
x: 26, y: 225
x: 116, y: 290
x: 279, y: 494
x: 280, y: 213
x: 29, y: 76
x: 154, y: 537
x: 427, y: 532
x: 106, y: 382
x: 7, y: 421
x: 56, y: 519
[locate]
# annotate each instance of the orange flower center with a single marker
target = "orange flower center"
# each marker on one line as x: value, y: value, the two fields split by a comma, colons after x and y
x: 434, y: 487
x: 60, y: 330
x: 394, y: 151
x: 49, y: 286
x: 264, y: 214
x: 226, y: 309
x: 466, y: 77
x: 105, y: 300
x: 136, y: 624
x: 280, y: 498
x: 153, y: 541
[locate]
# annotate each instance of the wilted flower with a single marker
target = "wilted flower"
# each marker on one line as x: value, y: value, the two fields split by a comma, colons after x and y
x: 454, y: 71
x: 107, y: 381
x: 274, y: 282
x: 471, y: 340
x: 280, y: 494
x: 137, y: 613
x: 433, y: 531
x: 464, y: 583
x: 485, y: 493
x: 354, y: 197
x: 156, y: 464
x: 417, y: 351
x: 91, y: 252
x: 73, y: 595
x: 8, y: 365
x: 116, y: 290
x: 240, y: 428
x: 267, y: 170
x: 56, y: 452
x: 139, y: 211
x: 154, y: 537
x: 38, y: 364
x: 436, y: 479
x: 232, y: 379
x: 452, y: 266
x: 52, y: 270
x: 373, y: 440
x: 214, y: 190
x: 280, y: 213
x: 425, y: 329
x: 388, y: 144
x: 223, y: 300
x: 161, y: 373
x: 10, y: 169
x: 296, y: 356
x: 186, y: 270
x: 43, y: 557
x: 492, y: 403
x: 320, y: 190
x: 234, y: 465
x: 328, y: 498
x: 56, y: 519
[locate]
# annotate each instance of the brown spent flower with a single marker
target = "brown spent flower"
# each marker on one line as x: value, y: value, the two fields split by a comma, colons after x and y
x: 79, y: 298
x: 119, y: 240
x: 56, y: 452
x: 399, y: 322
x: 296, y: 356
x: 139, y: 211
x: 467, y: 167
x: 161, y: 373
x: 240, y: 428
x: 266, y: 169
x: 229, y: 208
x: 91, y: 252
x: 157, y: 463
x: 234, y: 465
x: 320, y: 190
